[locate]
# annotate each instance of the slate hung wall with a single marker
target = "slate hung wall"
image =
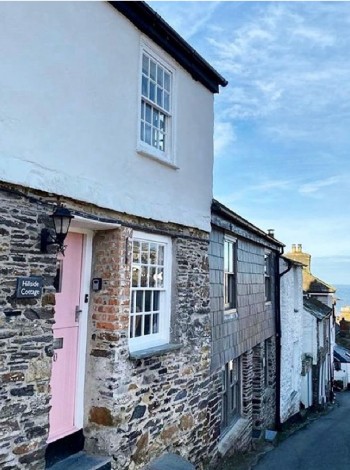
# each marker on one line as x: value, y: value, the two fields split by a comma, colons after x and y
x: 246, y: 334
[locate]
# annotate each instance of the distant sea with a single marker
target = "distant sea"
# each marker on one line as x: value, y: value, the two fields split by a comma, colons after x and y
x: 343, y: 296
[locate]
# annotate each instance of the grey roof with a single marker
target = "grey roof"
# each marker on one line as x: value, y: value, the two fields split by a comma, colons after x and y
x: 218, y: 208
x: 341, y: 353
x: 316, y: 308
x: 153, y: 25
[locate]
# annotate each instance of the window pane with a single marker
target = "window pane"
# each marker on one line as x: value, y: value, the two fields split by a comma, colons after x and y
x: 142, y: 110
x: 159, y: 96
x: 226, y: 256
x: 148, y: 298
x: 153, y: 253
x: 159, y: 76
x: 155, y: 301
x: 155, y: 323
x: 152, y: 91
x: 155, y: 118
x: 144, y: 86
x: 148, y: 115
x: 153, y: 70
x: 133, y: 295
x: 167, y: 81
x: 142, y: 129
x: 136, y: 252
x: 161, y: 145
x: 155, y: 138
x: 131, y: 327
x: 144, y: 253
x: 139, y: 301
x: 148, y: 134
x: 162, y: 121
x: 138, y: 325
x: 160, y: 277
x: 135, y: 277
x: 161, y: 255
x: 166, y: 101
x: 152, y: 275
x: 144, y: 276
x: 147, y: 330
x: 145, y: 64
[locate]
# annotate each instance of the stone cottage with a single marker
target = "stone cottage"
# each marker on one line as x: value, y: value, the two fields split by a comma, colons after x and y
x: 244, y: 292
x: 106, y: 348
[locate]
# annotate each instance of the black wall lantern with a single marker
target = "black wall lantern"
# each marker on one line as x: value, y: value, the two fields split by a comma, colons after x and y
x: 61, y: 221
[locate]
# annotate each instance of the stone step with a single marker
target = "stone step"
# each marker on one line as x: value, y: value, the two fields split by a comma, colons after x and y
x: 82, y: 461
x: 169, y: 462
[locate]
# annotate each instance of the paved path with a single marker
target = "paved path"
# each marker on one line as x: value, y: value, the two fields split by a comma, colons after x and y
x: 322, y: 445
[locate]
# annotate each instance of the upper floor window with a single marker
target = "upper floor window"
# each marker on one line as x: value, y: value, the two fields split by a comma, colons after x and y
x: 150, y: 291
x: 267, y: 274
x: 230, y: 275
x: 156, y: 105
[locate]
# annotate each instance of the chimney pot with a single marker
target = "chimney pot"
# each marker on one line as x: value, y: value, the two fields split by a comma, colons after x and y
x: 271, y: 232
x: 300, y: 247
x: 294, y: 248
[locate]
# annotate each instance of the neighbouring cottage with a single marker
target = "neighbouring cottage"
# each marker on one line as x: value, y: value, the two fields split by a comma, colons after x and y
x: 107, y: 348
x: 244, y: 296
x: 318, y: 334
x: 291, y: 296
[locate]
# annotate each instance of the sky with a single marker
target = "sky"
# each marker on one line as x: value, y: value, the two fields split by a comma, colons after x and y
x: 282, y: 125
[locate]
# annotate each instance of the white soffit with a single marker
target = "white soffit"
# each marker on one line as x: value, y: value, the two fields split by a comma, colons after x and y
x: 92, y: 224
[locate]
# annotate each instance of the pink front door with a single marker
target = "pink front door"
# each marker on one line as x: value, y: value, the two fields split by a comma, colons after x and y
x: 66, y: 335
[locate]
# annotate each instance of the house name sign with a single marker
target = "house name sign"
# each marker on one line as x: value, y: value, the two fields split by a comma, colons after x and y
x: 29, y: 287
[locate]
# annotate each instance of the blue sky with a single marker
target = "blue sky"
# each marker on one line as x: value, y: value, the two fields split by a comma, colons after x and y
x: 282, y: 125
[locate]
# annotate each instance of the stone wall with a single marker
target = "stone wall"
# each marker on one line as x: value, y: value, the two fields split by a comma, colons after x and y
x: 134, y: 408
x: 25, y: 333
x: 138, y: 408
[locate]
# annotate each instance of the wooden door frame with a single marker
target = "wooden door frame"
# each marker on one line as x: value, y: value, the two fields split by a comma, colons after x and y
x: 83, y: 324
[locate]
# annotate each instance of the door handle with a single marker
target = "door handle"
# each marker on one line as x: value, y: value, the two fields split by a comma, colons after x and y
x: 78, y: 311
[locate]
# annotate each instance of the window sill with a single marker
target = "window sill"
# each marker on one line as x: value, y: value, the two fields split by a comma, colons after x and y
x: 230, y: 314
x: 154, y: 351
x: 232, y: 434
x: 144, y: 153
x: 268, y: 302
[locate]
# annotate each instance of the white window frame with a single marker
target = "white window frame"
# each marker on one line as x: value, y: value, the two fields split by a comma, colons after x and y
x: 167, y: 156
x: 268, y: 275
x: 231, y: 389
x: 227, y: 308
x: 163, y: 335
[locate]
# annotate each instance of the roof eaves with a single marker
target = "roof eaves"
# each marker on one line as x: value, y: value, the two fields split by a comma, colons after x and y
x: 153, y: 25
x: 218, y: 208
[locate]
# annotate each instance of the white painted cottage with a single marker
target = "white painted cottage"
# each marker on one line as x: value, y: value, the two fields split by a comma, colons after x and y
x: 106, y: 115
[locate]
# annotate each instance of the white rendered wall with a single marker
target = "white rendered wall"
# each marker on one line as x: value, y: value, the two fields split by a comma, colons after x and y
x: 291, y: 340
x: 69, y: 101
x: 310, y: 336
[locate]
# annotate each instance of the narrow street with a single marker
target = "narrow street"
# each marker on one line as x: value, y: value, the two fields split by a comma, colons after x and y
x: 322, y: 445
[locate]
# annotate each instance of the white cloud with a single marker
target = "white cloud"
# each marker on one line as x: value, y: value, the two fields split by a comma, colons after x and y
x: 315, y: 186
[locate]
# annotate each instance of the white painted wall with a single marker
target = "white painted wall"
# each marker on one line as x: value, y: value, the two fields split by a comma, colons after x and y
x: 69, y: 100
x: 310, y: 336
x: 291, y: 340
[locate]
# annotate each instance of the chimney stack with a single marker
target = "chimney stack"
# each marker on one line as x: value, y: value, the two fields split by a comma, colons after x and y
x: 298, y: 255
x: 271, y: 232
